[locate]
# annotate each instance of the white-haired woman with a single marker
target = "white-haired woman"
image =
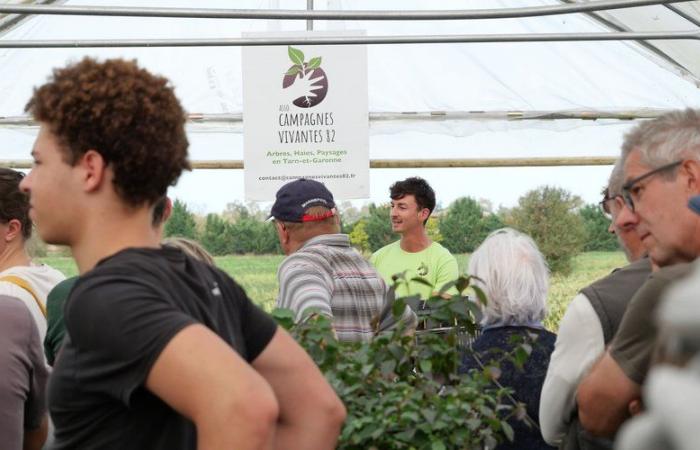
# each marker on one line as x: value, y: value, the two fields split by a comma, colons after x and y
x: 515, y: 278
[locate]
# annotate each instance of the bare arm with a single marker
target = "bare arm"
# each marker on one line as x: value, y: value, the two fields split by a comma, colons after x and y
x: 604, y: 397
x: 202, y: 378
x: 311, y: 414
x: 34, y: 439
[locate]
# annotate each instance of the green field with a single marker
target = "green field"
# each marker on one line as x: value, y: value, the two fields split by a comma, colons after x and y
x: 258, y: 276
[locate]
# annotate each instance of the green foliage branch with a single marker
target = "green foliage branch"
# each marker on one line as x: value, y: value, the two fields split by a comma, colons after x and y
x: 181, y: 222
x: 465, y: 225
x: 403, y: 391
x: 550, y: 216
x: 378, y: 227
x: 598, y: 238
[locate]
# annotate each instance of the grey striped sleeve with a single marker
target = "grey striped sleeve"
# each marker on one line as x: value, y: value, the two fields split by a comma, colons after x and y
x: 302, y: 286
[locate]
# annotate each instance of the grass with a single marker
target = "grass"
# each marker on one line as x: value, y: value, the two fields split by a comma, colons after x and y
x: 587, y: 267
x: 258, y: 276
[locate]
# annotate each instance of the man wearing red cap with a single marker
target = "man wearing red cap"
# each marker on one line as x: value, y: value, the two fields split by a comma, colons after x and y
x: 322, y: 272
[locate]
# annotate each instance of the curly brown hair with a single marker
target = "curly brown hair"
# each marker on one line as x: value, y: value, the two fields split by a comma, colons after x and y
x: 129, y: 116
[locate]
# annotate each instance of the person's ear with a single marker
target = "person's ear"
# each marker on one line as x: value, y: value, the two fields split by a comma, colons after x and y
x: 168, y: 210
x: 691, y: 169
x: 93, y: 167
x: 14, y: 229
x: 424, y: 214
x: 282, y: 232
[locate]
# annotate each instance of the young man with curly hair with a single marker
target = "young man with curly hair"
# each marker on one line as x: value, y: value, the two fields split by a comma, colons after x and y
x: 161, y: 351
x: 412, y: 202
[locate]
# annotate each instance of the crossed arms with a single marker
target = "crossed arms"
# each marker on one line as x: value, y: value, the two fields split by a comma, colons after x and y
x: 280, y: 401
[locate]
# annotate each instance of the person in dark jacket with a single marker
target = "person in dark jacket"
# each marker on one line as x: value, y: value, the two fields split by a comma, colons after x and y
x: 514, y: 275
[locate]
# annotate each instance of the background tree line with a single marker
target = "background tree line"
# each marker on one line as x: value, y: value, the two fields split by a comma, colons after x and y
x: 558, y: 221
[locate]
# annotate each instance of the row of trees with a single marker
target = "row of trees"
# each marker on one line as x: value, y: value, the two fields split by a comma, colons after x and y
x: 558, y: 221
x: 238, y: 231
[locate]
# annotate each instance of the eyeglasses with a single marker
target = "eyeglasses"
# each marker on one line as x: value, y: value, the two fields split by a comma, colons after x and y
x: 605, y: 205
x: 630, y: 192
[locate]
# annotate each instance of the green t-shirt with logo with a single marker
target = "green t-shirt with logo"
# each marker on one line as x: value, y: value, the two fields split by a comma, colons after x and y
x: 435, y: 264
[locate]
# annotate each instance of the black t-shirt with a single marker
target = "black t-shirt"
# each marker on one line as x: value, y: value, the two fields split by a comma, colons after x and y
x: 119, y: 317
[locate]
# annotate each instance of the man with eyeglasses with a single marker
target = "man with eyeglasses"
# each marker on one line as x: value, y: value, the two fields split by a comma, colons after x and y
x: 590, y: 322
x: 661, y: 161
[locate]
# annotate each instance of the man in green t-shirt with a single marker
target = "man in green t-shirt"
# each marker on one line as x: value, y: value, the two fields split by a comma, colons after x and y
x: 412, y: 202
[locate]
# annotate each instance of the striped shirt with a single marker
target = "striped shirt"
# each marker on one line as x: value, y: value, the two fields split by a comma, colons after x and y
x: 327, y: 274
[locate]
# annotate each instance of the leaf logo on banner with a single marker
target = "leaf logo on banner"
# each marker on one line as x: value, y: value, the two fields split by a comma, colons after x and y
x: 315, y: 63
x: 306, y: 82
x: 297, y: 56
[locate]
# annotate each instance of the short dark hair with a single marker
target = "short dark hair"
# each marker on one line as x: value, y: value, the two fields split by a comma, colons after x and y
x: 159, y: 211
x: 14, y: 204
x: 418, y: 188
x: 129, y: 116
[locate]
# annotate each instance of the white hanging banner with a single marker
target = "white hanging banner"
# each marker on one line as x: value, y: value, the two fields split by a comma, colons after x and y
x: 305, y: 114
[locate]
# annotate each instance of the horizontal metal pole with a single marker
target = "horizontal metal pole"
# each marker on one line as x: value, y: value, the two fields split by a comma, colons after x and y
x: 491, y: 162
x: 422, y: 116
x: 407, y: 163
x: 354, y: 40
x: 649, y: 113
x: 199, y: 13
x: 682, y: 13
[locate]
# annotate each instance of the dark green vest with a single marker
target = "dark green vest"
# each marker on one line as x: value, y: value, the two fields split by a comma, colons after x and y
x: 609, y: 297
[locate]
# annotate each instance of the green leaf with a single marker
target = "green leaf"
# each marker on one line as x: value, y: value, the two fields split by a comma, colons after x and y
x: 520, y: 356
x: 426, y: 366
x: 474, y: 308
x: 462, y: 283
x: 410, y: 415
x: 507, y: 430
x: 459, y: 306
x: 473, y: 424
x: 422, y: 281
x: 293, y: 70
x: 437, y: 445
x: 398, y: 307
x: 314, y: 63
x: 282, y: 313
x: 429, y: 415
x: 406, y: 435
x: 446, y: 287
x: 479, y: 294
x: 284, y: 317
x: 296, y: 55
x: 388, y: 367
